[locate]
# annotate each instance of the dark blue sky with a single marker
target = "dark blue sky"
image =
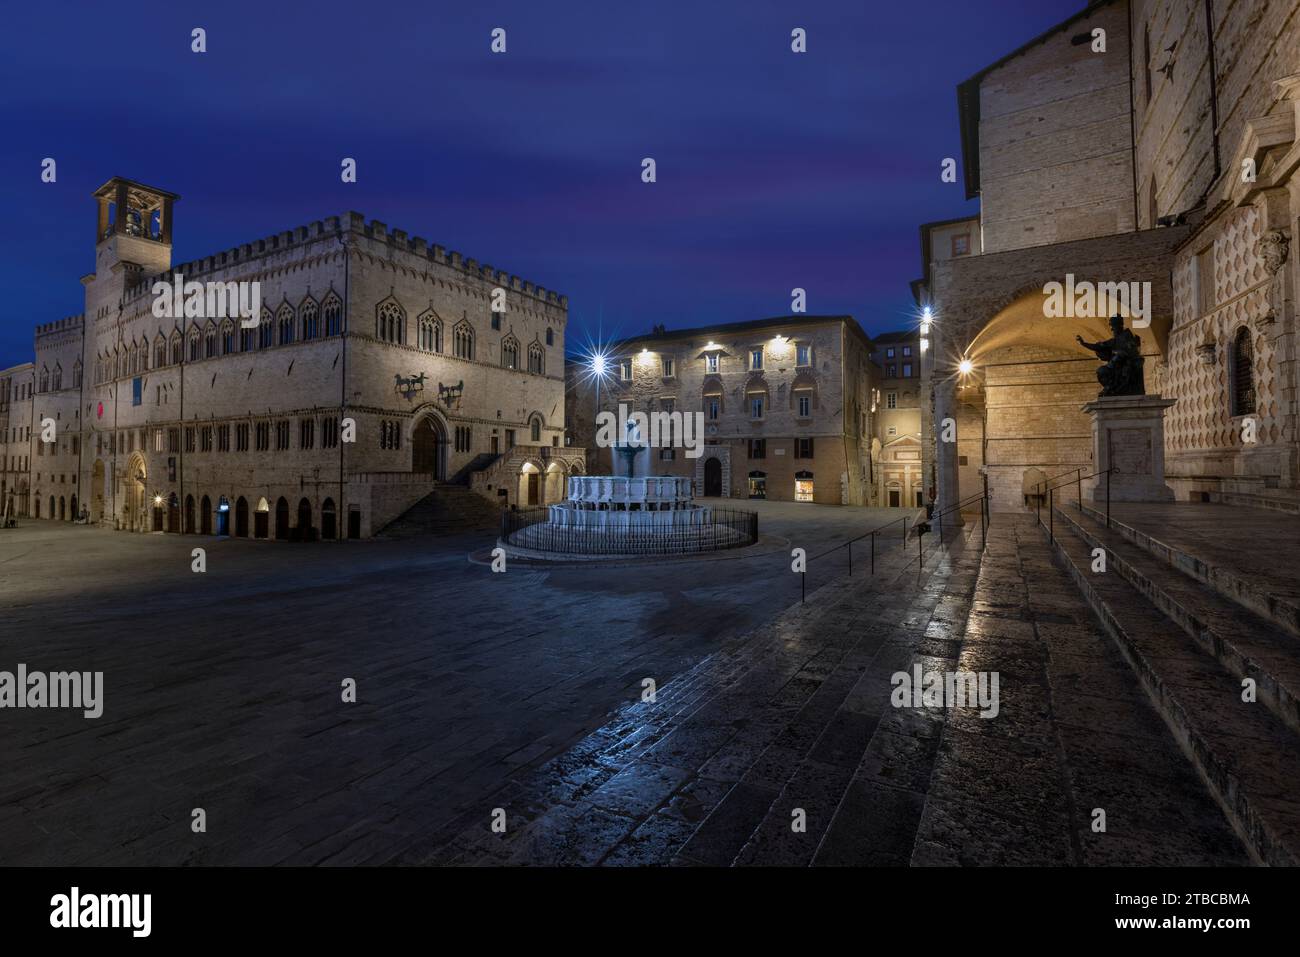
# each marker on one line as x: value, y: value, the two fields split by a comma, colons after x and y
x: 775, y: 170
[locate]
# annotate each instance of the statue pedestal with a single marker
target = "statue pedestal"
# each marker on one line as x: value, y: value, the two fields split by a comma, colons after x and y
x: 1128, y: 434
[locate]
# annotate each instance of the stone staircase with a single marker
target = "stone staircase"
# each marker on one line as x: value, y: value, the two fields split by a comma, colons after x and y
x: 1193, y: 630
x: 449, y: 509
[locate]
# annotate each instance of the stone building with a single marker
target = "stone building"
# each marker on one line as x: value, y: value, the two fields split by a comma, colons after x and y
x: 896, y: 443
x: 1161, y: 157
x: 379, y: 368
x: 786, y: 405
x: 15, y: 439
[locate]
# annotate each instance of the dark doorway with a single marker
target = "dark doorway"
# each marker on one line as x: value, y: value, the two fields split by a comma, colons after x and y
x: 205, y: 515
x: 534, y: 481
x: 894, y: 498
x: 223, y: 516
x: 63, y: 508
x: 282, y: 520
x: 327, y: 529
x: 354, y: 522
x: 189, y: 514
x: 261, y: 519
x: 919, y: 503
x: 241, y: 517
x: 75, y: 516
x: 428, y: 448
x: 305, y: 532
x: 173, y: 513
x: 157, y: 516
x: 712, y: 478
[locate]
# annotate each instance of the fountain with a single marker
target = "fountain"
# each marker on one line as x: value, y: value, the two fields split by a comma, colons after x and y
x: 632, y: 514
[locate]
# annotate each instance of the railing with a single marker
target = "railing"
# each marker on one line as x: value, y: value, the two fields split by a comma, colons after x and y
x: 920, y: 528
x: 1051, y: 497
x: 530, y: 528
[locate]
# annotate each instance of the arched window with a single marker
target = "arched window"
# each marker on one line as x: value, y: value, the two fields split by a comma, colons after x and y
x: 510, y: 352
x: 266, y: 330
x: 194, y: 345
x: 284, y: 319
x: 247, y: 337
x: 309, y: 315
x: 1243, y: 374
x: 430, y: 332
x: 536, y: 359
x: 535, y: 430
x: 390, y: 322
x: 227, y: 337
x: 177, y: 349
x: 76, y: 374
x: 132, y: 359
x: 45, y: 380
x: 159, y: 352
x: 209, y: 341
x: 58, y: 377
x: 332, y: 311
x: 463, y: 341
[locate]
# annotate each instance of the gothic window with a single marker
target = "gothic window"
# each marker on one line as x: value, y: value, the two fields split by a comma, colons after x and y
x: 1243, y: 374
x: 45, y: 380
x: 227, y: 337
x: 132, y: 359
x: 266, y: 330
x: 332, y: 311
x: 159, y: 352
x: 510, y: 352
x: 76, y: 374
x: 284, y: 319
x: 464, y: 341
x: 430, y: 333
x: 535, y: 430
x: 247, y: 338
x: 209, y: 341
x: 177, y: 349
x: 58, y: 377
x: 390, y: 322
x: 536, y: 359
x: 309, y: 313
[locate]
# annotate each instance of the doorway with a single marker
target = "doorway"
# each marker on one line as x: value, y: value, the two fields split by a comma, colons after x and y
x: 712, y: 478
x: 429, y: 448
x: 241, y: 517
x: 758, y: 485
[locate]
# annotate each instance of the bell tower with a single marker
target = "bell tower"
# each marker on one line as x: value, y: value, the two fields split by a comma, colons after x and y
x: 134, y: 226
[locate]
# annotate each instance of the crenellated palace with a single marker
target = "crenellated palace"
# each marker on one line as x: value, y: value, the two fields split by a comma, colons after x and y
x: 377, y: 368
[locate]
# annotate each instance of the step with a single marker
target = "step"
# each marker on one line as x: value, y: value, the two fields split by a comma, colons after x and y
x: 1278, y: 501
x: 1246, y: 644
x: 1282, y: 610
x: 1249, y: 758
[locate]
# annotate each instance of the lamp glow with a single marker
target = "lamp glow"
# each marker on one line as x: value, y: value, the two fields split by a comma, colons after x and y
x: 965, y: 367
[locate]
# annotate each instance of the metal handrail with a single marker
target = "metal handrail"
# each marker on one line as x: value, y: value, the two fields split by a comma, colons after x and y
x: 1043, y: 491
x: 1051, y: 500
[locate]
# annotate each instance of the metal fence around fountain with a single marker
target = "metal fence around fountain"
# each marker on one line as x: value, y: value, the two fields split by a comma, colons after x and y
x: 530, y: 528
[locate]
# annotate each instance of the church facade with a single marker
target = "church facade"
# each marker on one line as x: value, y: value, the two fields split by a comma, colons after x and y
x: 1148, y: 143
x: 376, y: 366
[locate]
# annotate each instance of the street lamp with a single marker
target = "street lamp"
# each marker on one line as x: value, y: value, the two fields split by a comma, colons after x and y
x: 965, y: 367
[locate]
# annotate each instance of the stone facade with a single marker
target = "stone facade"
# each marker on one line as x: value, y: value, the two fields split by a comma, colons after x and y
x: 896, y: 443
x: 16, y: 388
x: 1182, y: 177
x: 796, y: 426
x: 377, y: 367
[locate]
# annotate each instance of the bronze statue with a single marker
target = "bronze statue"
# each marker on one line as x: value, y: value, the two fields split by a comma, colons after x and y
x: 1122, y: 354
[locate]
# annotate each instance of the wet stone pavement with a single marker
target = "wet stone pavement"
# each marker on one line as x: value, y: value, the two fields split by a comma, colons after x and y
x: 783, y: 747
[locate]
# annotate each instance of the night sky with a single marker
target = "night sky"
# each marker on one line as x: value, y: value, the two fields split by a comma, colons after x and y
x: 775, y: 170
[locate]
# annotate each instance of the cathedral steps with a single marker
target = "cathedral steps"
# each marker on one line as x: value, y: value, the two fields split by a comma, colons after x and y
x: 1279, y: 500
x: 447, y: 510
x: 1252, y: 592
x: 1190, y: 647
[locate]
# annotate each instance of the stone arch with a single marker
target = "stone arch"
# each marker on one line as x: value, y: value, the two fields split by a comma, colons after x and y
x: 555, y: 482
x: 427, y: 435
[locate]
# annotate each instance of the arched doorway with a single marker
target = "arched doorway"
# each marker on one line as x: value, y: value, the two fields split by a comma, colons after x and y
x: 261, y: 518
x: 328, y: 528
x: 134, y: 509
x: 189, y: 514
x: 159, y: 514
x: 173, y: 513
x: 282, y: 519
x: 72, y: 511
x: 241, y: 517
x: 553, y: 491
x: 429, y: 448
x: 63, y: 509
x: 97, y: 491
x: 712, y: 478
x: 223, y: 516
x: 38, y: 505
x: 205, y: 516
x: 530, y: 484
x: 305, y: 532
